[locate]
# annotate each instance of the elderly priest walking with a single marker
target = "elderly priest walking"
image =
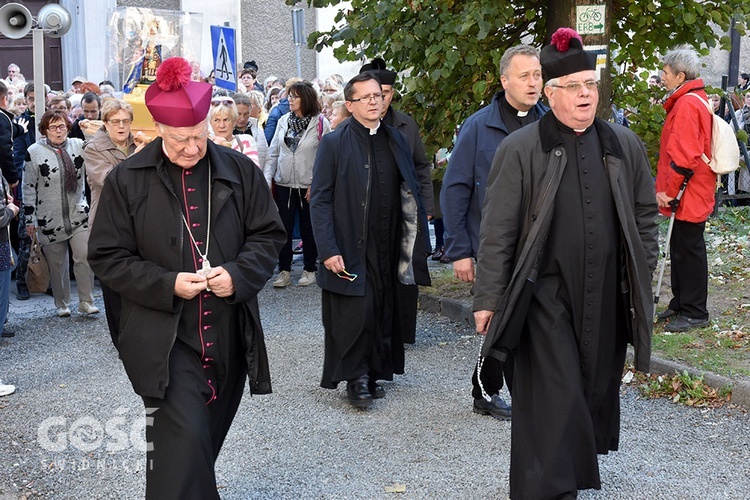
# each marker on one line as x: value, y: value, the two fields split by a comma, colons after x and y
x: 567, y: 248
x: 187, y: 233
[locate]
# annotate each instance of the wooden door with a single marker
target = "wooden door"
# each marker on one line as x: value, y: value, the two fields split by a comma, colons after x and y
x: 20, y: 51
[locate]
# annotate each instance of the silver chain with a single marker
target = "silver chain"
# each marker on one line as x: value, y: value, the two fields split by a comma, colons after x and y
x: 204, y: 256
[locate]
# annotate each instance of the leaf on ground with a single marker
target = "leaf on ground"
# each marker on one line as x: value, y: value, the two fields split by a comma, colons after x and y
x: 396, y: 488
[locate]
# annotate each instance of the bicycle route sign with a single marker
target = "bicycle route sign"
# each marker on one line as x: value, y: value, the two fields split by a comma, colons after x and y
x: 590, y: 19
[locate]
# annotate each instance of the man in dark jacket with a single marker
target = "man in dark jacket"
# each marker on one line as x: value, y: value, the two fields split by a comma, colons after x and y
x: 187, y: 233
x: 409, y: 294
x: 567, y: 245
x: 91, y: 104
x: 9, y: 130
x: 464, y: 185
x: 370, y: 226
x: 21, y: 144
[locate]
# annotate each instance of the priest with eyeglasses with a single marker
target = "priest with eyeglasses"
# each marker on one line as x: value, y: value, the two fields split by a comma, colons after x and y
x: 567, y: 245
x: 187, y: 234
x: 370, y: 225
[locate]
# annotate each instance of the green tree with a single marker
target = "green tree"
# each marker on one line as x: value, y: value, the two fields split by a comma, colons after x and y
x: 449, y: 50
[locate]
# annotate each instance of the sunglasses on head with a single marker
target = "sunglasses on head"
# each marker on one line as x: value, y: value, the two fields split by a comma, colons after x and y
x: 226, y: 101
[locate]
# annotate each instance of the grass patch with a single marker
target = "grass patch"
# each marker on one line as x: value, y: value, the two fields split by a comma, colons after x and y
x: 682, y: 388
x: 444, y: 284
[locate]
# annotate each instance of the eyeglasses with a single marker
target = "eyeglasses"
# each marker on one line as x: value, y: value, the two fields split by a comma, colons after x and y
x: 576, y: 87
x: 118, y: 123
x: 369, y: 98
x: 222, y: 102
x: 58, y: 128
x: 346, y: 275
x: 293, y: 97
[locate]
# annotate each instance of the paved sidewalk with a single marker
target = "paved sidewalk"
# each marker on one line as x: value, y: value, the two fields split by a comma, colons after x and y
x: 74, y: 428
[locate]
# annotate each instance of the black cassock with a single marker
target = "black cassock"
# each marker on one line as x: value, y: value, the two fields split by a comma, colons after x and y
x: 207, y: 369
x: 363, y: 334
x: 568, y: 366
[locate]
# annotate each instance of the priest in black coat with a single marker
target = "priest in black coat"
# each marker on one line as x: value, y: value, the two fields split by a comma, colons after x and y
x: 568, y: 242
x: 370, y: 225
x: 187, y: 234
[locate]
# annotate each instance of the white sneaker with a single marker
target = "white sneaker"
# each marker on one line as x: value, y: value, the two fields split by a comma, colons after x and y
x: 87, y: 308
x: 7, y: 390
x: 63, y: 312
x: 283, y: 280
x: 308, y: 278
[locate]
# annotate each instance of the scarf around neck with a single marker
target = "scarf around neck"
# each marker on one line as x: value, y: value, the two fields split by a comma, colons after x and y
x: 298, y: 125
x: 69, y: 169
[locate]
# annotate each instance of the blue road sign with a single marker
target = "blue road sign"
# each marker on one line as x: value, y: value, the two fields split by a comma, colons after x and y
x: 225, y: 57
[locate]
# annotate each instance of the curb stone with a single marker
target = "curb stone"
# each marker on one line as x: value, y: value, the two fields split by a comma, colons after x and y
x: 460, y: 312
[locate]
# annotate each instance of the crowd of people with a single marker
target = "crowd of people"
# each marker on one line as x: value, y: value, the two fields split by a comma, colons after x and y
x: 549, y: 211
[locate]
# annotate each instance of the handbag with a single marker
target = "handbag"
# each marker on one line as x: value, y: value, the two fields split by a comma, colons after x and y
x: 13, y: 254
x: 37, y: 274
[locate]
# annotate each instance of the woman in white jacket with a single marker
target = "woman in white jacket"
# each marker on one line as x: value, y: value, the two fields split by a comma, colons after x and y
x: 290, y: 165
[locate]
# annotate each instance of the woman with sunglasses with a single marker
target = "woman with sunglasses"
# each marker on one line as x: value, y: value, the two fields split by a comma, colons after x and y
x: 221, y: 117
x: 290, y: 165
x: 56, y: 210
x: 109, y: 146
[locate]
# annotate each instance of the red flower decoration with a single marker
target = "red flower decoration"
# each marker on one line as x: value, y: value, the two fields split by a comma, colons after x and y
x: 561, y: 38
x: 174, y: 73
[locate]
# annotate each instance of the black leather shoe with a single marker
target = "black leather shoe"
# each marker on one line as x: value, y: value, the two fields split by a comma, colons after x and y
x: 496, y: 407
x: 683, y: 324
x: 23, y: 293
x: 358, y: 393
x: 438, y: 253
x: 666, y: 314
x: 376, y: 390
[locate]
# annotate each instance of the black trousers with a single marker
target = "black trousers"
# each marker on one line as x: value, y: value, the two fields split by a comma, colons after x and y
x: 689, y: 269
x: 291, y: 201
x: 186, y: 434
x: 492, y: 376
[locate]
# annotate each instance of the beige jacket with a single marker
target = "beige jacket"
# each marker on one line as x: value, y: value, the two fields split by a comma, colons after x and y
x: 101, y: 156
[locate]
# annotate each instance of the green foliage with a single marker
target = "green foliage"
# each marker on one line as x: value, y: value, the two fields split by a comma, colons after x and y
x: 449, y: 50
x: 647, y: 28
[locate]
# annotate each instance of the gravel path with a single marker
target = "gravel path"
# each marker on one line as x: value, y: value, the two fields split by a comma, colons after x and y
x: 74, y: 428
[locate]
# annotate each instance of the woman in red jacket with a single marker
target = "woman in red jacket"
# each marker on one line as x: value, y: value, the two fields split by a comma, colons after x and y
x: 686, y: 136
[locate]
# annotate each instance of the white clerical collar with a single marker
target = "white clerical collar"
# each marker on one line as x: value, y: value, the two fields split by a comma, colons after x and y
x: 374, y: 131
x: 522, y: 113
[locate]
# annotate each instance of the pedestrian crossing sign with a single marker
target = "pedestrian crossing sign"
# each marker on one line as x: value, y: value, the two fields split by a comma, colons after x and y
x: 225, y: 57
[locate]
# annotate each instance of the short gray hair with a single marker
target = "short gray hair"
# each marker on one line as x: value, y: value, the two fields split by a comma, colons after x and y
x: 683, y: 59
x: 518, y: 50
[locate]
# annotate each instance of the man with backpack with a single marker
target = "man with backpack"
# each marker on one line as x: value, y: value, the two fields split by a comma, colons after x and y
x: 685, y: 139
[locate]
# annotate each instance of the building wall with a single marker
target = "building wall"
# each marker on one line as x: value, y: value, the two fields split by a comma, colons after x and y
x: 267, y: 39
x: 151, y: 4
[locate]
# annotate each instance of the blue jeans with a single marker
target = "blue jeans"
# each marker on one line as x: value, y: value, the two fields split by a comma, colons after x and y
x: 5, y: 270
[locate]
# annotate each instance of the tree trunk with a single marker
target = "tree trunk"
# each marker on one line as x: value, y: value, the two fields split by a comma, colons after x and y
x: 562, y: 13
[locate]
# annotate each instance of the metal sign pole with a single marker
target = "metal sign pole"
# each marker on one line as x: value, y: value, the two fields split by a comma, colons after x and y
x: 298, y: 35
x: 40, y: 96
